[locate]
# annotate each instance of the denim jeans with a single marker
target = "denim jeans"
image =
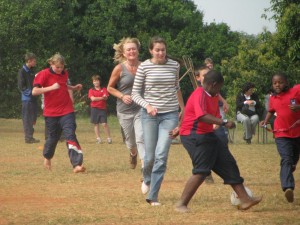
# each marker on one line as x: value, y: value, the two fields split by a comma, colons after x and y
x: 157, y: 144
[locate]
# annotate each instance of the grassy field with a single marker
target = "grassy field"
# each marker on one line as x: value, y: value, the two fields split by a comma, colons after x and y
x: 109, y: 192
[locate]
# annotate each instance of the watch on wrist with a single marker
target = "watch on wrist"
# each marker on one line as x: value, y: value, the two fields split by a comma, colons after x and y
x: 225, y: 121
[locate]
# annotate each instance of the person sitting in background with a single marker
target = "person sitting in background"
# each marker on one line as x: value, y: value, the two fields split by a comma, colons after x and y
x: 247, y: 104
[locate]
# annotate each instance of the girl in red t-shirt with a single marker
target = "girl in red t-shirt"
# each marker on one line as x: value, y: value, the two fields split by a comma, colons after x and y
x: 58, y: 111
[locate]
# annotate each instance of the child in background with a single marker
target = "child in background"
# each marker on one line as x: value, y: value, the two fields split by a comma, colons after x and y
x: 58, y: 111
x: 285, y: 102
x: 98, y: 98
x: 29, y: 102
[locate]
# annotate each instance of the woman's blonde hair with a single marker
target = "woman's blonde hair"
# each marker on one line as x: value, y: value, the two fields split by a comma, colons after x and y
x: 119, y: 48
x: 56, y: 58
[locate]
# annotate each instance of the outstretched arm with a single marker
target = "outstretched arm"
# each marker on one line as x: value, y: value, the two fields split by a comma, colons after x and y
x: 40, y: 90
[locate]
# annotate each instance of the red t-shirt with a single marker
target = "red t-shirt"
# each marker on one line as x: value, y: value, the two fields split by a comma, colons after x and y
x: 98, y: 93
x: 56, y: 102
x: 285, y: 123
x: 200, y: 103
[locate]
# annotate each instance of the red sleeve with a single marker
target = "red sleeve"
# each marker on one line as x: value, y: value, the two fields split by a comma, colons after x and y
x: 271, y: 104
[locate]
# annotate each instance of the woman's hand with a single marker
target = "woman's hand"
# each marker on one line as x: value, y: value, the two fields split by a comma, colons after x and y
x: 151, y: 110
x: 126, y: 99
x: 174, y: 133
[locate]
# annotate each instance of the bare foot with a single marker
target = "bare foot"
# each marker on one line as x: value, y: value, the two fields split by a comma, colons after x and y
x: 79, y: 169
x: 47, y: 163
x: 248, y: 204
x: 181, y: 208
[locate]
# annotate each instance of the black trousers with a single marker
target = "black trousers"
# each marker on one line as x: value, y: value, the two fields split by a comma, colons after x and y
x: 67, y: 125
x: 29, y: 116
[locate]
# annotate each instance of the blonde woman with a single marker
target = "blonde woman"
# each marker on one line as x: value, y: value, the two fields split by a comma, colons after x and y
x: 120, y: 86
x: 58, y: 111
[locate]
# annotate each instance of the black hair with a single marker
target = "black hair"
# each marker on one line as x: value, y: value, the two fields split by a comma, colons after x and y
x: 247, y: 86
x: 284, y: 76
x: 213, y: 76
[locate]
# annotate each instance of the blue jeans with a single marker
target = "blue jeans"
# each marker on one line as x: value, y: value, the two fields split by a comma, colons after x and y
x: 157, y: 144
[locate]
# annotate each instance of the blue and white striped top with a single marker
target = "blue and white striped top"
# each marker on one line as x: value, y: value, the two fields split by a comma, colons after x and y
x: 157, y: 85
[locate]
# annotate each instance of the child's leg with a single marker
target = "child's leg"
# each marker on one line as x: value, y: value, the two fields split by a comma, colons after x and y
x: 68, y: 125
x: 285, y: 149
x: 246, y: 201
x: 53, y: 132
x: 189, y: 190
x: 97, y: 131
x: 106, y: 130
x: 226, y: 167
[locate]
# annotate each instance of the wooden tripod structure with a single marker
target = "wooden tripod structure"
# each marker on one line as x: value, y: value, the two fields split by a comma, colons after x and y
x: 188, y: 63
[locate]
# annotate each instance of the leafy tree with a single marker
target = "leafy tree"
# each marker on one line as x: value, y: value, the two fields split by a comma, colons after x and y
x: 84, y: 31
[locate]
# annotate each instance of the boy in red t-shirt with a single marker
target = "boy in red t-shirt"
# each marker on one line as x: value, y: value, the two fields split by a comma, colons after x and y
x: 286, y: 103
x: 204, y: 147
x: 58, y: 111
x: 98, y: 98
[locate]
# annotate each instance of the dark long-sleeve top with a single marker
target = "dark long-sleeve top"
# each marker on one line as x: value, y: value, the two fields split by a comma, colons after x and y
x: 25, y: 81
x: 240, y: 99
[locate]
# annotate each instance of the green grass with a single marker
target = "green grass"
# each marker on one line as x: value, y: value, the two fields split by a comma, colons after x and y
x: 109, y: 192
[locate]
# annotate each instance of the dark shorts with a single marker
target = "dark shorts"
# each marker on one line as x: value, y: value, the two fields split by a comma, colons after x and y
x: 98, y: 116
x: 208, y: 153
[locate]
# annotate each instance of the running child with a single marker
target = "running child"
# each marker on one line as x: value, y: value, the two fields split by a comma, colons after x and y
x: 58, y: 111
x: 285, y: 102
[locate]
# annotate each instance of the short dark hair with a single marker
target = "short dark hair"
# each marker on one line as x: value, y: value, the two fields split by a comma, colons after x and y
x: 198, y: 69
x: 247, y: 86
x: 281, y: 74
x: 29, y: 56
x: 213, y: 76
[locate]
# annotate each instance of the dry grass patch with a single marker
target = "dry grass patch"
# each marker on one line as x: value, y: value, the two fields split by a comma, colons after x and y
x: 109, y: 192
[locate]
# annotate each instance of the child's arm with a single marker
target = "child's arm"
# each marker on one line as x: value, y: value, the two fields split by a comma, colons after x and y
x: 294, y: 107
x: 94, y: 99
x: 266, y: 120
x: 77, y: 87
x: 41, y: 90
x: 225, y: 104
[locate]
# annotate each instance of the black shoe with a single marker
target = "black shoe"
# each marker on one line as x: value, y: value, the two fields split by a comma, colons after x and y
x: 289, y: 195
x: 32, y: 140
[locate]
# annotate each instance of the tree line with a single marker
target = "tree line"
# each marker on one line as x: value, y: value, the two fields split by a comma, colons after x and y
x: 84, y: 31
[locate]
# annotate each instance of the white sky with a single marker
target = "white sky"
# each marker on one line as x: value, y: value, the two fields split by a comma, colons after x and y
x: 239, y: 15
